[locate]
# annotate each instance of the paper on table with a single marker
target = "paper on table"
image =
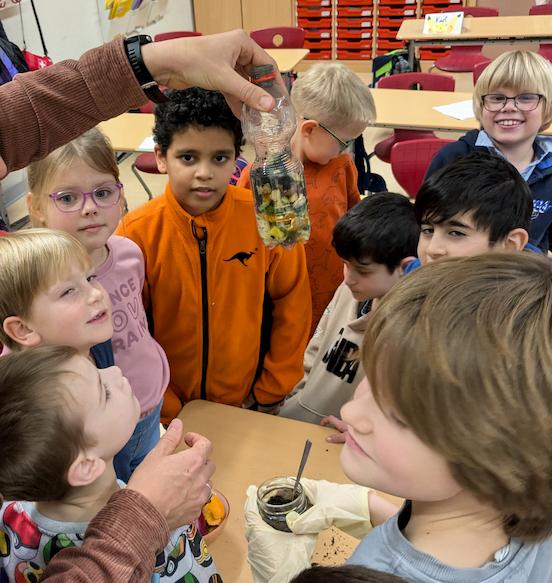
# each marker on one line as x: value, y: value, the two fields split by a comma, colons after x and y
x: 147, y: 145
x: 459, y: 110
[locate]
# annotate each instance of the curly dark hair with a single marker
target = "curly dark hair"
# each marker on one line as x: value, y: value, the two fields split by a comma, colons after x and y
x: 194, y: 107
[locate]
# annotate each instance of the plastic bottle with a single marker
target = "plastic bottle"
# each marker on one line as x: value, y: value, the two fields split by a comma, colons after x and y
x: 277, y: 178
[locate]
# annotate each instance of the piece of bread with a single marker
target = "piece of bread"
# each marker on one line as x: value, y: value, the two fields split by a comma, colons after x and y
x: 333, y: 547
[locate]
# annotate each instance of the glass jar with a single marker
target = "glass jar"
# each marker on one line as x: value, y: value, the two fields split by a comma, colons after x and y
x: 274, y: 501
x: 277, y: 178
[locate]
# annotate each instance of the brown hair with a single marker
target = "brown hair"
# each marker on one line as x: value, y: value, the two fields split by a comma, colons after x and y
x: 345, y: 574
x: 462, y: 349
x: 39, y: 439
x: 518, y: 71
x: 30, y: 262
x: 92, y: 147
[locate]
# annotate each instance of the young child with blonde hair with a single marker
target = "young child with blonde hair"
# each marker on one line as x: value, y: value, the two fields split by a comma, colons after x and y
x: 333, y: 107
x: 62, y: 421
x: 455, y: 416
x: 77, y: 189
x: 512, y: 101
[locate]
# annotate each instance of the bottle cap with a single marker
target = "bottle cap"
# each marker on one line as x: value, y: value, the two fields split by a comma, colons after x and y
x: 262, y: 73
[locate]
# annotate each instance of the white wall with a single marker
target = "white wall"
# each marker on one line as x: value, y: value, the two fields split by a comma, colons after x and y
x: 70, y: 27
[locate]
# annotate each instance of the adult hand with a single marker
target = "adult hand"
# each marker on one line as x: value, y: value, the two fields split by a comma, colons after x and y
x: 341, y: 426
x: 219, y: 62
x: 175, y: 483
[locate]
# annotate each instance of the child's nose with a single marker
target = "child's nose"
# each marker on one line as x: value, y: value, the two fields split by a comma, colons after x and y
x: 204, y: 171
x: 436, y: 248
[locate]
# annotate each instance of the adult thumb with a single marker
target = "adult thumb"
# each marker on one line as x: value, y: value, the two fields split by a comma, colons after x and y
x: 169, y: 441
x: 238, y: 90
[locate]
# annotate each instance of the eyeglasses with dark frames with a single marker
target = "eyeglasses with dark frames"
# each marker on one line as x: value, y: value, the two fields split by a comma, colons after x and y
x: 343, y: 145
x: 72, y: 201
x: 523, y: 101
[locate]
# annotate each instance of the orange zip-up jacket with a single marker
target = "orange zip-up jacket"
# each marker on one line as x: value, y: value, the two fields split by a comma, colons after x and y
x: 211, y: 287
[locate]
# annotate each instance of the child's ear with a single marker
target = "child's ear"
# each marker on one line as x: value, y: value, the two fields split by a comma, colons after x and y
x: 35, y: 213
x: 405, y: 262
x: 516, y: 240
x: 161, y: 160
x: 306, y: 127
x: 20, y: 332
x: 85, y: 470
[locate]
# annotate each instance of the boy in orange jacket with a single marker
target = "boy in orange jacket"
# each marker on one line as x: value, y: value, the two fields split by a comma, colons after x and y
x: 232, y: 315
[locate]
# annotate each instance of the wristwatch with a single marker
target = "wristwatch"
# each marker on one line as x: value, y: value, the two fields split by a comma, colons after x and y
x: 133, y: 49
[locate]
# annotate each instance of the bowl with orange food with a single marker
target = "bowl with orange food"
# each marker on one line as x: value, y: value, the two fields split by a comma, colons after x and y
x: 213, y: 517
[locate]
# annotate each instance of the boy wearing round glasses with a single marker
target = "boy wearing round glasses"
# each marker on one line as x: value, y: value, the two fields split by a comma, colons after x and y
x: 76, y: 189
x: 333, y: 107
x: 512, y: 101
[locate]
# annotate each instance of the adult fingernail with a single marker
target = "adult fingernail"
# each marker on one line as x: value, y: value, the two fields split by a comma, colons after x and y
x: 265, y: 102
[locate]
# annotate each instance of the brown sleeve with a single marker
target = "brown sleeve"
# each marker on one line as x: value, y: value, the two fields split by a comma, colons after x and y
x: 42, y: 110
x: 120, y: 544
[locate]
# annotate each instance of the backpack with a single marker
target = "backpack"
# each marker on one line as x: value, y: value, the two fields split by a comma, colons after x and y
x: 368, y: 181
x: 391, y: 63
x: 11, y: 59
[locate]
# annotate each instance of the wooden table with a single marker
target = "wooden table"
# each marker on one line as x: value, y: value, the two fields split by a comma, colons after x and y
x: 128, y: 131
x: 287, y: 59
x: 419, y: 114
x: 249, y: 448
x: 480, y: 30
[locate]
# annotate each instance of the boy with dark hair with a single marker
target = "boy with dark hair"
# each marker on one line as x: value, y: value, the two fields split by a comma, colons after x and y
x: 375, y: 239
x: 476, y: 204
x: 345, y: 574
x: 231, y: 314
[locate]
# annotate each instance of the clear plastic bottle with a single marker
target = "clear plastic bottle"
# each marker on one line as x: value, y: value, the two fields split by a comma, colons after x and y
x: 277, y: 178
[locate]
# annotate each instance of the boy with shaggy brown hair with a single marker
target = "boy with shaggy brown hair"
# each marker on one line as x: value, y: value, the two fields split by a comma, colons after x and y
x: 455, y: 416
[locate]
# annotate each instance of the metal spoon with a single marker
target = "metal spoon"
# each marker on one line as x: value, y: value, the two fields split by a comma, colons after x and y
x: 304, y: 457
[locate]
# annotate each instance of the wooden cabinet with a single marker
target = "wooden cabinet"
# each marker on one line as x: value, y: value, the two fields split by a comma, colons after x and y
x: 219, y: 15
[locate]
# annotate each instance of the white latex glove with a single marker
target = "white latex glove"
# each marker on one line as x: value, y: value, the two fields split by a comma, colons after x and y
x: 342, y: 505
x: 274, y: 556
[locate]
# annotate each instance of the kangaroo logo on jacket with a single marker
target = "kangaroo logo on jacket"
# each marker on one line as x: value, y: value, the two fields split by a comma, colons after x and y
x: 242, y: 256
x: 340, y: 359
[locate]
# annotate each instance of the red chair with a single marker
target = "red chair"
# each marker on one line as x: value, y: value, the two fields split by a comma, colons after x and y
x: 175, y: 34
x: 546, y: 49
x: 423, y: 81
x: 410, y: 161
x: 279, y: 37
x: 477, y: 70
x: 463, y: 58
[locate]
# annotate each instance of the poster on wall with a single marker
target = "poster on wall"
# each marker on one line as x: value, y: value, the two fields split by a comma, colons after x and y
x: 8, y: 3
x: 155, y: 9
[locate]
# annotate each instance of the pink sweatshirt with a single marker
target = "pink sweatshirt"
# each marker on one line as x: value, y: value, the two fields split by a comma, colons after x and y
x: 137, y: 354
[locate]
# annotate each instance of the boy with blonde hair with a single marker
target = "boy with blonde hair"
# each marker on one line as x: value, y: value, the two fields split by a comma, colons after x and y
x: 333, y: 107
x: 62, y: 422
x: 455, y: 416
x: 512, y: 101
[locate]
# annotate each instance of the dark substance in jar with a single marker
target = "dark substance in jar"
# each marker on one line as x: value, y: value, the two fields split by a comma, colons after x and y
x: 278, y: 500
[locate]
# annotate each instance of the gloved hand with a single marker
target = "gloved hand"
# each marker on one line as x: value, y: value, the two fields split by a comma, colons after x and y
x: 342, y: 505
x: 276, y: 557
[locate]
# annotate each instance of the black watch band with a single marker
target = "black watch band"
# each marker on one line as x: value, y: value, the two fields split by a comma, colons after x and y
x: 149, y: 86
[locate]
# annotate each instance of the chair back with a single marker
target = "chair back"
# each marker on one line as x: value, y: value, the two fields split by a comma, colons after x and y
x: 478, y: 69
x: 477, y: 11
x: 175, y: 34
x: 540, y: 9
x: 423, y: 81
x: 279, y: 37
x: 410, y: 160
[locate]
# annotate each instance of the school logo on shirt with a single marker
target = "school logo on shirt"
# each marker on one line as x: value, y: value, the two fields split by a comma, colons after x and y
x: 540, y: 207
x: 242, y: 256
x: 340, y: 359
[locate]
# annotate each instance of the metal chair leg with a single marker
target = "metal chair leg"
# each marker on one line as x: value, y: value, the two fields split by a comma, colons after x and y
x: 141, y: 180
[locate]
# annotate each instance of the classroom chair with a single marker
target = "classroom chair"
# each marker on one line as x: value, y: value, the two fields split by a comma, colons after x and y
x: 544, y: 49
x: 423, y: 81
x: 175, y: 34
x: 279, y: 37
x: 410, y: 160
x: 477, y: 70
x: 464, y: 58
